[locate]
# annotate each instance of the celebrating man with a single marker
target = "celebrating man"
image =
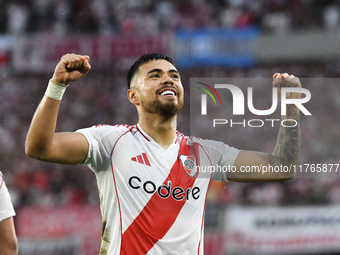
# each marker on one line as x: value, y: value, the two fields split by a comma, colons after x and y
x: 152, y: 200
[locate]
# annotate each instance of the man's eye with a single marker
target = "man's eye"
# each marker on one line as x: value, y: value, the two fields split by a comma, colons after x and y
x: 175, y: 76
x: 155, y: 76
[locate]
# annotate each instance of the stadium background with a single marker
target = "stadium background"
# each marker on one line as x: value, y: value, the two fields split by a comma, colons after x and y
x: 57, y: 206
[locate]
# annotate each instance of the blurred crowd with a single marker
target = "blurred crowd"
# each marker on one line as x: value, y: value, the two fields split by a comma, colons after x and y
x: 100, y: 98
x: 154, y: 16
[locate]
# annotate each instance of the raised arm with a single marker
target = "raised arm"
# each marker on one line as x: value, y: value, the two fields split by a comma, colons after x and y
x: 278, y: 165
x: 42, y: 142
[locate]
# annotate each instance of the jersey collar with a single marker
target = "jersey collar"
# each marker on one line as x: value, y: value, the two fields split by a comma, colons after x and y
x: 149, y: 138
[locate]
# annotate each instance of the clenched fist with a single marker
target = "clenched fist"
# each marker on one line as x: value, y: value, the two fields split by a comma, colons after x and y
x: 71, y: 67
x: 286, y: 80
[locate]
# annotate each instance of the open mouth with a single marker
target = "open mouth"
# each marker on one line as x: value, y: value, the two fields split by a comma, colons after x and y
x: 168, y: 92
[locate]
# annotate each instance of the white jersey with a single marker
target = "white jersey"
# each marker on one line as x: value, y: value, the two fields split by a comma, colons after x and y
x: 6, y: 207
x: 152, y: 200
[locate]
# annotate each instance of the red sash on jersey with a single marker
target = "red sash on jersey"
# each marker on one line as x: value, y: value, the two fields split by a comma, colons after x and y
x: 159, y: 214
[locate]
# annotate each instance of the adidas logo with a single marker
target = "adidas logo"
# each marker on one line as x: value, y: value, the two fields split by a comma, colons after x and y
x: 142, y: 159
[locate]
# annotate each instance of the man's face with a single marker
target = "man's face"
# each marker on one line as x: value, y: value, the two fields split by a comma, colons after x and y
x: 159, y: 86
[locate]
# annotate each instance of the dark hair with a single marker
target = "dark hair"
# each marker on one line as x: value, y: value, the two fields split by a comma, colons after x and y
x: 143, y: 60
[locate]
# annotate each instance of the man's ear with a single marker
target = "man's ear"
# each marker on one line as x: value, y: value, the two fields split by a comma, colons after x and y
x: 133, y: 96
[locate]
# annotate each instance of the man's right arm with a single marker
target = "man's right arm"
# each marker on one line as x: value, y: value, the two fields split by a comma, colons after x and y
x: 42, y: 142
x: 8, y: 238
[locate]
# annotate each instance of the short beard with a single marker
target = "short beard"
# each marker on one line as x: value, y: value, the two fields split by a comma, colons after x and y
x: 166, y: 110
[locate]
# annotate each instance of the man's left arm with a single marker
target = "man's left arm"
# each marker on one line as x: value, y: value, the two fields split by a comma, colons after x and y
x: 252, y: 166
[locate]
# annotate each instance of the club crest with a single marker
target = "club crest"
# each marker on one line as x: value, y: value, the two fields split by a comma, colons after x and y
x: 189, y: 164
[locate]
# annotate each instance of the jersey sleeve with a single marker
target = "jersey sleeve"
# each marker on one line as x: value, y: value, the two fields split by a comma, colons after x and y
x: 6, y: 207
x: 227, y: 161
x: 222, y: 157
x: 101, y: 140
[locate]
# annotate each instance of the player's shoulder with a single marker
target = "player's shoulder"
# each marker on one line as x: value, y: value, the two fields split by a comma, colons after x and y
x: 103, y: 130
x: 191, y: 140
x: 112, y: 128
x: 118, y: 127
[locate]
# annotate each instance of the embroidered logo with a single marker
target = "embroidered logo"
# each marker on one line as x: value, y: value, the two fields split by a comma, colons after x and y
x: 189, y: 164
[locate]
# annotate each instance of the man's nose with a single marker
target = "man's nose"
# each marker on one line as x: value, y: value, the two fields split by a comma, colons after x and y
x: 167, y: 80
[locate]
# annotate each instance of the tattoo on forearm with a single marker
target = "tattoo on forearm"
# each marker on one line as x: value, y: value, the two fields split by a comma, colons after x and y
x: 288, y: 144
